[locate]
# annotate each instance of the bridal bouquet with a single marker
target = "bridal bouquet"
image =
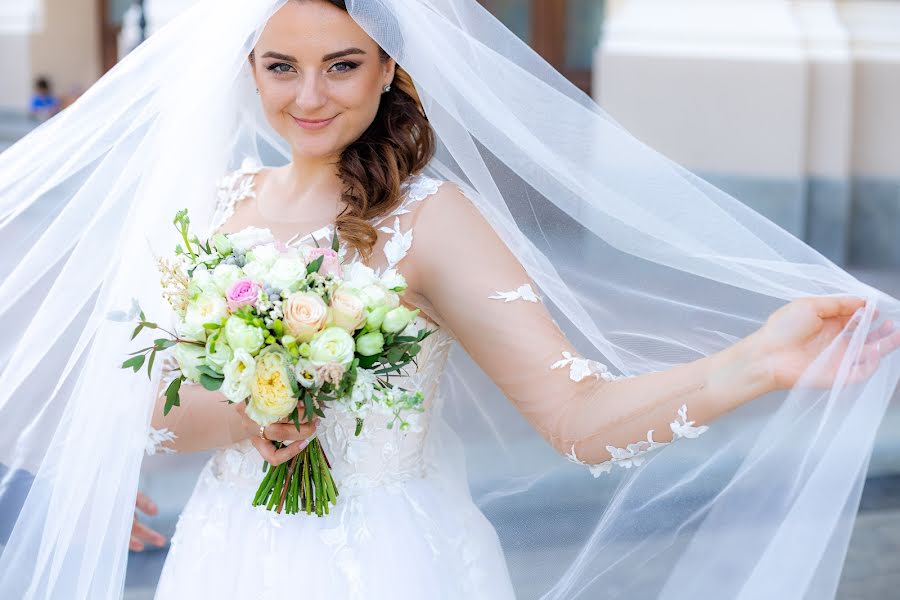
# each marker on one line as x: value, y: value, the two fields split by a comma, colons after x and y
x: 285, y: 329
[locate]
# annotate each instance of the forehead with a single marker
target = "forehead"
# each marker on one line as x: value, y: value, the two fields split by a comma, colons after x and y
x: 311, y: 28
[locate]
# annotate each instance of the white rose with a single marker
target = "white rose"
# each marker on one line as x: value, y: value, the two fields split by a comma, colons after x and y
x: 393, y: 280
x: 221, y: 357
x: 285, y: 271
x: 359, y: 275
x: 202, y: 281
x: 374, y: 295
x: 241, y: 335
x: 332, y: 345
x: 224, y: 275
x: 249, y: 237
x: 208, y: 307
x: 189, y: 358
x: 239, y: 372
x: 260, y: 260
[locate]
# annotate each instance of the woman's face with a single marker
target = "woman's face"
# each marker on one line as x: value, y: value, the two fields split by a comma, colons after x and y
x: 313, y: 63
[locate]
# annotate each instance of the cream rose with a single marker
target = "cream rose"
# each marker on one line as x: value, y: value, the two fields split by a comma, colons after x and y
x: 205, y: 308
x: 272, y: 389
x: 304, y: 315
x: 348, y: 309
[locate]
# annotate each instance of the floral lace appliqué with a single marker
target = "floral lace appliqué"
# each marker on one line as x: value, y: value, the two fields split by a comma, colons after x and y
x: 523, y: 292
x: 634, y: 454
x: 155, y: 439
x: 579, y: 368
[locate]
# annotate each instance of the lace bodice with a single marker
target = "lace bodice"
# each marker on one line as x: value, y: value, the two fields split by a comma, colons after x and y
x: 379, y: 455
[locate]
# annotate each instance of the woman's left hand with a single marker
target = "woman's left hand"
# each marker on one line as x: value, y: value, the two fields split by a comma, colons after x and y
x: 797, y: 333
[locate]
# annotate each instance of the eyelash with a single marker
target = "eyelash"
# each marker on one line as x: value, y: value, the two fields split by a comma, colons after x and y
x: 351, y: 65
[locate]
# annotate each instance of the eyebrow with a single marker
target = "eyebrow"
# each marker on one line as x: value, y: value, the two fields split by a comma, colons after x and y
x: 327, y: 57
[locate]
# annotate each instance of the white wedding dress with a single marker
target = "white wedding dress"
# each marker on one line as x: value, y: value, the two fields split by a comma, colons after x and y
x: 399, y: 529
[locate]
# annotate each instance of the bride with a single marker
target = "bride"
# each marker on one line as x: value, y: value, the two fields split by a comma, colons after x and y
x: 536, y: 236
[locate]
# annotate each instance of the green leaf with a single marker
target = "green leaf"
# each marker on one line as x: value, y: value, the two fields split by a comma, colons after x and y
x: 150, y: 363
x: 314, y: 265
x: 211, y: 325
x: 172, y: 396
x: 135, y: 362
x: 210, y: 383
x: 206, y: 369
x: 320, y: 412
x: 163, y: 343
x: 137, y: 330
x: 335, y: 243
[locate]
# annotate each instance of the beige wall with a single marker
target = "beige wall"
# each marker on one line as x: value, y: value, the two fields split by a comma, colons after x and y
x: 67, y: 49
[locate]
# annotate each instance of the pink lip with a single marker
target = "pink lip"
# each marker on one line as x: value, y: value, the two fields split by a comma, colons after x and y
x: 308, y: 124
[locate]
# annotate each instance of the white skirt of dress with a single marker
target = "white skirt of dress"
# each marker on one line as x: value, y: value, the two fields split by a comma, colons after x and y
x: 409, y: 539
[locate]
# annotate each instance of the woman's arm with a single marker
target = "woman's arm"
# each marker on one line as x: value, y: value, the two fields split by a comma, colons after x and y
x: 581, y: 409
x: 204, y: 419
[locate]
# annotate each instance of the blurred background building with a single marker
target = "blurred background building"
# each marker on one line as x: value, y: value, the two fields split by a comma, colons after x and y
x: 790, y: 105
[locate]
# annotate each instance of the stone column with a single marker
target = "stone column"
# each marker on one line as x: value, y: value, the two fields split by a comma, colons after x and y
x: 787, y: 104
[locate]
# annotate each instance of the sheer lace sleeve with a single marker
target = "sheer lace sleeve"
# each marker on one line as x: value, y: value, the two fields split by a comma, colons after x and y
x: 483, y: 295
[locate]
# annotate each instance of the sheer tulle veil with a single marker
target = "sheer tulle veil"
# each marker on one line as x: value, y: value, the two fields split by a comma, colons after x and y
x: 643, y: 264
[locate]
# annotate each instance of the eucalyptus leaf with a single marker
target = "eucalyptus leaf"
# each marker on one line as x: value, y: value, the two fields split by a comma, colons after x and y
x: 172, y: 396
x: 210, y: 383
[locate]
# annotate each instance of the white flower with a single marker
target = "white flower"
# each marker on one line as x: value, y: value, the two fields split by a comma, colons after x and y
x: 260, y: 260
x: 306, y: 373
x: 393, y: 280
x: 208, y: 307
x: 224, y: 275
x: 238, y: 376
x: 374, y: 294
x: 250, y: 236
x: 359, y: 275
x: 332, y: 345
x: 363, y: 388
x: 190, y: 359
x: 241, y: 335
x: 285, y: 271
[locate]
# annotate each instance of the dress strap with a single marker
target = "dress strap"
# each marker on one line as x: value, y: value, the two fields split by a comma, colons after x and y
x: 230, y: 189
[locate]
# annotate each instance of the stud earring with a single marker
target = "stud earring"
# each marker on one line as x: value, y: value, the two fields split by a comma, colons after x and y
x: 257, y: 91
x: 386, y: 88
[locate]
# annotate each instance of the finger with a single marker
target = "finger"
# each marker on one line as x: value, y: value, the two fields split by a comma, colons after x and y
x: 882, y: 331
x: 144, y: 533
x: 145, y: 504
x: 290, y: 451
x: 135, y: 545
x: 288, y: 431
x: 828, y: 307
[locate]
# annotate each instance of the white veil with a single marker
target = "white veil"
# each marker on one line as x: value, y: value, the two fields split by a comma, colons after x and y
x: 643, y: 264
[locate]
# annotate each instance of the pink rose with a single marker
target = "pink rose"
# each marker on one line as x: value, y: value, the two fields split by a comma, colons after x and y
x: 330, y: 264
x: 242, y: 292
x: 281, y: 246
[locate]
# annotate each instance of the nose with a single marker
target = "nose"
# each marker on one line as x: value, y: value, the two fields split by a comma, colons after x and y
x: 311, y: 95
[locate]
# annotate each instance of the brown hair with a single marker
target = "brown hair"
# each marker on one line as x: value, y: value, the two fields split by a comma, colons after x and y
x: 397, y: 144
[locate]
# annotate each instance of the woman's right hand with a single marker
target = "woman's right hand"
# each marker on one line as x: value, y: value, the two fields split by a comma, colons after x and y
x: 282, y: 431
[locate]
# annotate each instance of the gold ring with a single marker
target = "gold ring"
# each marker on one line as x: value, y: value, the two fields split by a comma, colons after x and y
x: 262, y: 433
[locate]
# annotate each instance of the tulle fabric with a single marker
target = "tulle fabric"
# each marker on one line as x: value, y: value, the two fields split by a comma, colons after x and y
x: 641, y: 264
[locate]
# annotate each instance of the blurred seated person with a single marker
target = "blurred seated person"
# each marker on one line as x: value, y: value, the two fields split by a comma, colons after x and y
x: 43, y: 103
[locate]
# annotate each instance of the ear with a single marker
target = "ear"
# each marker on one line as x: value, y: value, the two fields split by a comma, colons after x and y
x: 390, y: 68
